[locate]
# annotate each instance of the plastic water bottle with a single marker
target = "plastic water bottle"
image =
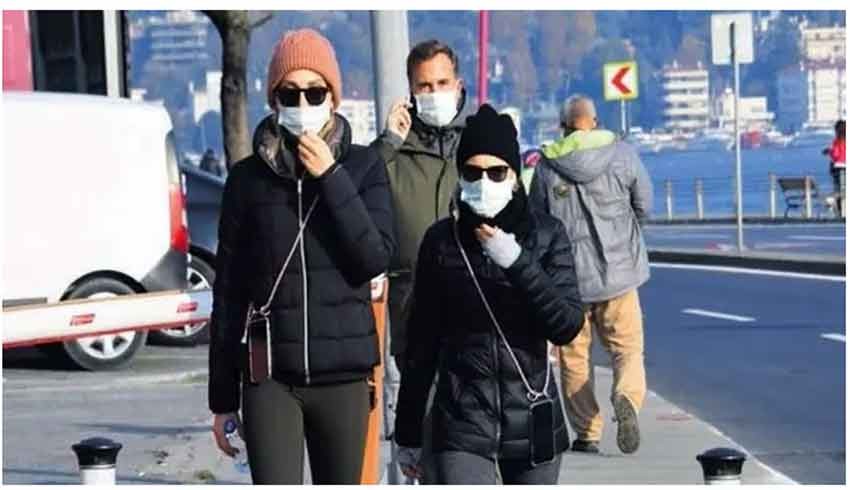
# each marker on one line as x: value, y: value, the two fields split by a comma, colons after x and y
x: 240, y: 461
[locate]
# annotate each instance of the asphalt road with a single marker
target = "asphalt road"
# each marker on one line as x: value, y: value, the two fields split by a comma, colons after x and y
x: 821, y: 239
x: 762, y: 358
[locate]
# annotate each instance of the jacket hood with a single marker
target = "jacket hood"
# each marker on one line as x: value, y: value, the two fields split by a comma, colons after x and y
x: 584, y: 165
x: 272, y: 144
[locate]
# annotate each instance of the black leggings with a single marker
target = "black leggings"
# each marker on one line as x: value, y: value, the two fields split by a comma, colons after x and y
x: 332, y: 418
x: 462, y: 468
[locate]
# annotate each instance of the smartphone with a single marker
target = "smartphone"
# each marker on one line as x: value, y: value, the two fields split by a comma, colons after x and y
x: 258, y: 349
x: 541, y: 431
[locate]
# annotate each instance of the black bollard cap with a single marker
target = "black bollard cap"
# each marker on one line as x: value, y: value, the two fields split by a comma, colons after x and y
x: 97, y: 451
x: 722, y: 462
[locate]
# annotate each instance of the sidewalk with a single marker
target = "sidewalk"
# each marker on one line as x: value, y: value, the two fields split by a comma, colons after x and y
x: 670, y: 441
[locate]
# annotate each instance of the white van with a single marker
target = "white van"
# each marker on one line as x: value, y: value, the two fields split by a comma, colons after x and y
x: 93, y: 207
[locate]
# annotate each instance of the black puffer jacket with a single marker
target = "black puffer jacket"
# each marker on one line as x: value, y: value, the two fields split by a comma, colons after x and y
x: 481, y: 404
x: 323, y: 329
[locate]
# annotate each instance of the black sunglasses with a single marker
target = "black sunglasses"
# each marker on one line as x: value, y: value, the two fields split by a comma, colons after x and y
x: 496, y: 174
x: 291, y: 96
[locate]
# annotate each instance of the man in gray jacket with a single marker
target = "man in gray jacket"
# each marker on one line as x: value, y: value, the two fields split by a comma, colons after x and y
x: 601, y: 191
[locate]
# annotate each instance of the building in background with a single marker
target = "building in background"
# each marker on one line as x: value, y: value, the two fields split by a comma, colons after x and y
x: 754, y: 113
x: 813, y: 91
x: 361, y: 116
x: 686, y: 98
x: 176, y: 38
x: 823, y: 43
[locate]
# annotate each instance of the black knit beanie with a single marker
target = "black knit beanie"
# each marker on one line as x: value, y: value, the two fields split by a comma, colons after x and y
x: 489, y: 133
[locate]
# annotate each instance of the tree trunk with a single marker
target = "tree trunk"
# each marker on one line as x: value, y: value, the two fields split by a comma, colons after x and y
x: 235, y: 31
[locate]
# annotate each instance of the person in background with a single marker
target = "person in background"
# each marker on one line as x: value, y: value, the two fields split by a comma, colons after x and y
x: 837, y: 160
x: 598, y: 187
x: 419, y: 146
x: 209, y: 163
x: 308, y: 194
x: 494, y: 282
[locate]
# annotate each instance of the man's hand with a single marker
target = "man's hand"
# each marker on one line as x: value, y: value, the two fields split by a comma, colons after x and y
x: 399, y: 120
x: 315, y: 154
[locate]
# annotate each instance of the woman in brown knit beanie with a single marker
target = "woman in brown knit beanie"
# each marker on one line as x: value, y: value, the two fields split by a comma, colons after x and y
x: 306, y: 222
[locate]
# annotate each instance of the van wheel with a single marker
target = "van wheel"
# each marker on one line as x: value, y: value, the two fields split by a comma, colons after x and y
x: 103, y: 352
x: 201, y: 276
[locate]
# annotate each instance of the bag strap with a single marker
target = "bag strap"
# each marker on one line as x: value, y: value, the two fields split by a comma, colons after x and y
x: 264, y: 310
x: 532, y: 394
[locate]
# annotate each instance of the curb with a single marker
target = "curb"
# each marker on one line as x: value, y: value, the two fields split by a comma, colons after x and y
x: 752, y: 220
x: 830, y: 266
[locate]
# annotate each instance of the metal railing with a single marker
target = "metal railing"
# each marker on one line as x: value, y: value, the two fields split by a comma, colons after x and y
x: 703, y: 198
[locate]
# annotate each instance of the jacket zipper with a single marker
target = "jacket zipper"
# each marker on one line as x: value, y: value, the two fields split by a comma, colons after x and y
x: 304, y: 282
x: 439, y: 181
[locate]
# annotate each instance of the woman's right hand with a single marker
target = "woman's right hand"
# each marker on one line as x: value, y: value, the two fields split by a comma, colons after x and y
x: 218, y: 431
x: 408, y: 460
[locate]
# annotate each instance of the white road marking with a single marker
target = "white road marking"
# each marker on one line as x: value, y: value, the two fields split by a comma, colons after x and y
x: 739, y: 270
x: 833, y: 336
x: 817, y: 237
x: 717, y: 314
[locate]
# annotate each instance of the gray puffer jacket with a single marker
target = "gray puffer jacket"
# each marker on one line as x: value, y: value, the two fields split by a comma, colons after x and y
x: 601, y: 195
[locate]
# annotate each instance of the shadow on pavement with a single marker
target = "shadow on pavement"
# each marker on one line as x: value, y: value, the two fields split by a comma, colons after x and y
x: 146, y: 429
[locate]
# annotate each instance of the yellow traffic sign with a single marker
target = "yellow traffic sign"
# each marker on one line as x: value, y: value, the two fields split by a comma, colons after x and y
x: 620, y: 80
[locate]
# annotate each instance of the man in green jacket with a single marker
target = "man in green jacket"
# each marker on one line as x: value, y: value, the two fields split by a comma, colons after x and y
x: 419, y: 145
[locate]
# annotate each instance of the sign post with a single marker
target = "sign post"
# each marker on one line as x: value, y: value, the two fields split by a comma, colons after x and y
x: 620, y: 81
x: 732, y: 43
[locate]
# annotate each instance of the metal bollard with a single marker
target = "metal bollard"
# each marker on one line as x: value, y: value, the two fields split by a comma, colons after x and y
x: 771, y: 177
x: 700, y: 209
x: 668, y: 185
x: 808, y: 197
x: 722, y: 466
x: 96, y: 458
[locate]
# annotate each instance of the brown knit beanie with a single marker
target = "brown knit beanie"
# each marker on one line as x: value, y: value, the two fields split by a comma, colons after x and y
x: 304, y: 49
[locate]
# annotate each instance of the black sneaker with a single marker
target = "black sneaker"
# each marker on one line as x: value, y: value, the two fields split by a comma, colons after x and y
x: 628, y: 432
x: 580, y: 446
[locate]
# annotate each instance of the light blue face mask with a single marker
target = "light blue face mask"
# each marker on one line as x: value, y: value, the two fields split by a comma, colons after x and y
x: 485, y: 197
x: 298, y: 120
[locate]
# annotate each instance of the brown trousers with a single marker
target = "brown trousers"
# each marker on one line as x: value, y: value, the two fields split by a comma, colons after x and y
x: 618, y: 324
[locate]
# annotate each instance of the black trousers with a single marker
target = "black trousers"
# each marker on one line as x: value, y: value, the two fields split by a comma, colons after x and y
x: 332, y: 419
x: 462, y: 468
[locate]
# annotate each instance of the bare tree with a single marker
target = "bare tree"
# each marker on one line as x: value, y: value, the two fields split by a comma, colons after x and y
x: 234, y: 27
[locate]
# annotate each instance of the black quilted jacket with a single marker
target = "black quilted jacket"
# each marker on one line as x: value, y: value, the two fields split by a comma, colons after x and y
x: 481, y: 404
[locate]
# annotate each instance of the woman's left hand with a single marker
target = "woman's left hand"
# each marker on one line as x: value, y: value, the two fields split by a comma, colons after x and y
x: 500, y: 246
x: 315, y: 154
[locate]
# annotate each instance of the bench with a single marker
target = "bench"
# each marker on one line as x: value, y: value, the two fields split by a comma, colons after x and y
x: 794, y: 190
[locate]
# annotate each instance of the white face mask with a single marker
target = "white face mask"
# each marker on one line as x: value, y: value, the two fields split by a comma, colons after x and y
x: 437, y: 108
x: 485, y: 197
x: 298, y: 120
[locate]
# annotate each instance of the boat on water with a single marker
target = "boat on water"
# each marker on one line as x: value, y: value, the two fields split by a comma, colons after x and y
x: 711, y: 139
x: 813, y: 136
x: 776, y: 139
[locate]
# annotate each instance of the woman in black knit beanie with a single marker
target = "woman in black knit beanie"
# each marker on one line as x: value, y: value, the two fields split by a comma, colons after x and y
x: 494, y: 282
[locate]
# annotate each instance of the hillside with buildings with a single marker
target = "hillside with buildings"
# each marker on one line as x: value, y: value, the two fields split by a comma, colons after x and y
x: 536, y: 59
